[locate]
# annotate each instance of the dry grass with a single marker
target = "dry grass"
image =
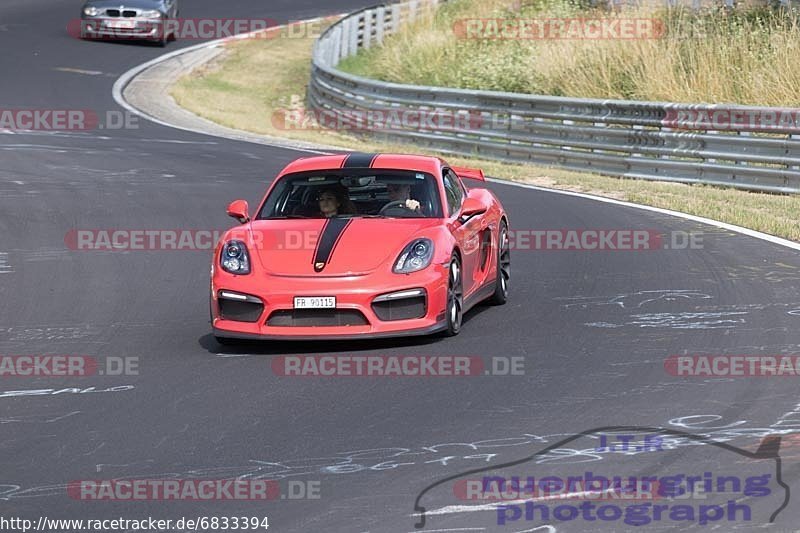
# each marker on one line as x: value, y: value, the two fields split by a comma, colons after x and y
x: 255, y: 79
x: 745, y: 56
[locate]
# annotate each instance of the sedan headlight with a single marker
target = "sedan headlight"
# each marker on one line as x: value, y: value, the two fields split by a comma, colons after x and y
x: 415, y: 256
x: 150, y: 14
x: 234, y: 258
x: 91, y: 11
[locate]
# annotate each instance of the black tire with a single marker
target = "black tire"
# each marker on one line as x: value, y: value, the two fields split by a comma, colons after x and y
x: 454, y: 309
x: 163, y: 39
x: 500, y: 295
x: 172, y: 37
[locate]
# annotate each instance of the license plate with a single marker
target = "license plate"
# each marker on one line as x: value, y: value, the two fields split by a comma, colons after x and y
x: 122, y: 24
x: 315, y: 302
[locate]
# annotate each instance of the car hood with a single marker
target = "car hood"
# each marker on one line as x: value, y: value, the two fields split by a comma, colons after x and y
x: 114, y: 4
x: 362, y: 245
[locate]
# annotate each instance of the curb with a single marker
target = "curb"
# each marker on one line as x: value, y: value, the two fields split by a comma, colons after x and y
x: 168, y: 67
x: 144, y: 91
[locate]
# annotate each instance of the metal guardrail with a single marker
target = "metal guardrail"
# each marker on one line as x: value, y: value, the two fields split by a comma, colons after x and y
x: 754, y: 148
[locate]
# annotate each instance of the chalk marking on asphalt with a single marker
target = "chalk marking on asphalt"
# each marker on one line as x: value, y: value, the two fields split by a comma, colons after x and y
x: 453, y: 529
x: 452, y: 509
x: 5, y: 268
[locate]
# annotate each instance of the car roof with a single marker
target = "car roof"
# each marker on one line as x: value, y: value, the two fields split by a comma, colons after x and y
x: 419, y: 163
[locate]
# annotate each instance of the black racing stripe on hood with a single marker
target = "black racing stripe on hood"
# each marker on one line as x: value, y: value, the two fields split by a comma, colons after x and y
x: 359, y: 160
x: 331, y: 233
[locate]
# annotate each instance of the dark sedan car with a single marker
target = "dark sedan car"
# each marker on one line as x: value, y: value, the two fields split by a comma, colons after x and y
x: 129, y: 19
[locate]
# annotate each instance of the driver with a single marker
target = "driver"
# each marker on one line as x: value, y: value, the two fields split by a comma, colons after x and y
x: 401, y: 192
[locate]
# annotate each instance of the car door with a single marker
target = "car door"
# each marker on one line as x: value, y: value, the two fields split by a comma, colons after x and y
x: 466, y: 234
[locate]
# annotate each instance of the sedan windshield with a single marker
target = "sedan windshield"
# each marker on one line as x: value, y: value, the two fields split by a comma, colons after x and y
x: 354, y: 193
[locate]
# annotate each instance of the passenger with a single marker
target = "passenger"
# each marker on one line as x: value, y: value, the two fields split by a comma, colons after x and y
x: 334, y: 200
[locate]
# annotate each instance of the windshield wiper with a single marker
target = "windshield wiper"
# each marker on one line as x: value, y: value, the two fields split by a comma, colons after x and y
x: 349, y: 215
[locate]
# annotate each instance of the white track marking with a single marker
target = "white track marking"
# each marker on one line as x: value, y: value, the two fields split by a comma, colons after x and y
x: 123, y: 80
x: 724, y: 225
x: 79, y: 71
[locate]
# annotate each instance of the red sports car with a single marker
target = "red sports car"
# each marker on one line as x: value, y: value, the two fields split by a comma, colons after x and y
x: 360, y: 245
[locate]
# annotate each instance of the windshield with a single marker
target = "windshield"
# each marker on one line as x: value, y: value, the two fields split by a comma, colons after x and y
x: 354, y: 193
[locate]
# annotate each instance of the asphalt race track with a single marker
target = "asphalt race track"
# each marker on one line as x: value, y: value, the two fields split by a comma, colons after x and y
x: 594, y: 329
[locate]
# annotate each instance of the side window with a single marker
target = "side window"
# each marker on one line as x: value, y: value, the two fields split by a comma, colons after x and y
x: 454, y: 192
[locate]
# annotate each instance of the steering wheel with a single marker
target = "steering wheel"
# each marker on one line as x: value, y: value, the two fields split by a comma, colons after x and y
x: 399, y: 205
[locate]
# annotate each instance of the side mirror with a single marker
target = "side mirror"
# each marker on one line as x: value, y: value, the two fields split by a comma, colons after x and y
x: 239, y: 210
x: 472, y: 207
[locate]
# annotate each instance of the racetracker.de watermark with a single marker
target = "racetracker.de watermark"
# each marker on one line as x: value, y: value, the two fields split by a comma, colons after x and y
x: 31, y: 366
x: 299, y: 118
x: 733, y: 119
x: 66, y: 120
x: 591, y: 239
x: 396, y: 366
x: 145, y: 239
x: 580, y: 239
x: 193, y: 489
x: 559, y: 28
x: 106, y: 27
x: 733, y: 366
x: 588, y: 487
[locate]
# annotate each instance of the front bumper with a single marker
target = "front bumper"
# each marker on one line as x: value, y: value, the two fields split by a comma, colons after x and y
x: 141, y: 29
x: 355, y: 316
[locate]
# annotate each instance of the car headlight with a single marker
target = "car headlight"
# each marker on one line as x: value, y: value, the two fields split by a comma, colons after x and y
x: 234, y: 258
x: 91, y: 11
x: 415, y: 256
x: 150, y: 14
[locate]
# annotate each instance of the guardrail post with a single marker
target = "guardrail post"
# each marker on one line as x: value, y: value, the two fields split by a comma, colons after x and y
x: 412, y: 10
x: 396, y: 17
x: 338, y: 52
x: 367, y: 38
x: 352, y: 37
x: 380, y: 21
